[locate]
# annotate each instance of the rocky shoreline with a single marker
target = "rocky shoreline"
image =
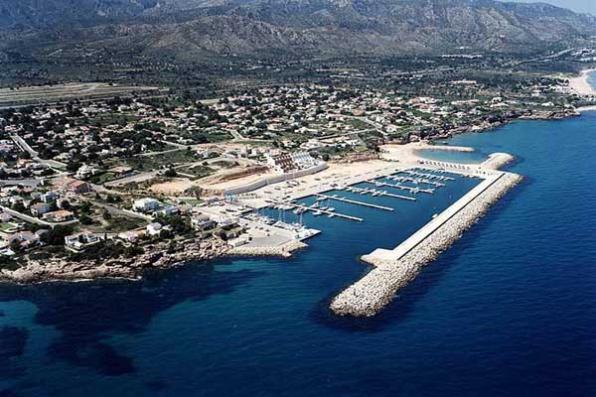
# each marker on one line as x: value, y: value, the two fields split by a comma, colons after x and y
x: 160, y: 257
x: 497, y: 122
x: 373, y: 292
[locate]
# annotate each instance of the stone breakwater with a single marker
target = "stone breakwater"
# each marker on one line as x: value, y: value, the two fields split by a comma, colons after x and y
x: 284, y: 250
x: 497, y: 160
x: 374, y: 291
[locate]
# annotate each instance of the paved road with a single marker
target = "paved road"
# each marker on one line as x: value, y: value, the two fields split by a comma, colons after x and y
x: 23, y: 182
x: 25, y: 147
x: 38, y: 221
x: 122, y: 212
x: 143, y: 176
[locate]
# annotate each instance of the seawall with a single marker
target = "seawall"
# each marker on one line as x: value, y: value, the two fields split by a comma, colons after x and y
x: 395, y: 268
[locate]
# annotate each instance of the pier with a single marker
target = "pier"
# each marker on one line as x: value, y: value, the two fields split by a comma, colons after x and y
x: 330, y: 214
x: 429, y: 175
x: 410, y: 189
x: 396, y: 268
x: 414, y: 180
x: 355, y: 202
x: 381, y: 193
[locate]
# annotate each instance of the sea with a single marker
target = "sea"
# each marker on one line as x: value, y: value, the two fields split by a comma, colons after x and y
x: 508, y: 310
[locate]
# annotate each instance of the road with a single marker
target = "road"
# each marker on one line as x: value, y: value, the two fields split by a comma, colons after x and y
x: 20, y: 142
x: 142, y: 177
x: 122, y: 212
x: 31, y: 219
x: 22, y: 182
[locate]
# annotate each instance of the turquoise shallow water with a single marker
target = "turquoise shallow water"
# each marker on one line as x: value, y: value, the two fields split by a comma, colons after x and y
x: 509, y: 310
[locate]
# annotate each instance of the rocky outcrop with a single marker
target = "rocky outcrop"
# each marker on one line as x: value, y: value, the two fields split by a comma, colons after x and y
x: 159, y: 256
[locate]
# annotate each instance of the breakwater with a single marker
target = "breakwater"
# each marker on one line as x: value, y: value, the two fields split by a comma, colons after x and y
x: 396, y: 268
x: 285, y: 251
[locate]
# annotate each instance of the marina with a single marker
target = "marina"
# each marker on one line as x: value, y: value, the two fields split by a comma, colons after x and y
x: 355, y: 202
x: 394, y: 269
x: 429, y: 175
x: 330, y: 212
x: 415, y: 181
x: 414, y: 190
x: 375, y: 192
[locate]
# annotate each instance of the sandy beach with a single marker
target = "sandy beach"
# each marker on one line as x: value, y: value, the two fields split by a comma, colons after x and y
x: 580, y: 84
x: 587, y: 109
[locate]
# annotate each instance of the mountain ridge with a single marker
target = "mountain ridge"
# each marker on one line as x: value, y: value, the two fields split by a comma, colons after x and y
x: 204, y: 29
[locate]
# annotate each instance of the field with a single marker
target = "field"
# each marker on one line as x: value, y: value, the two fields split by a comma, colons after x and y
x: 34, y: 95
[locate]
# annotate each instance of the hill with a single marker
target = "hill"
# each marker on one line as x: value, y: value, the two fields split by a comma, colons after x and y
x: 210, y: 31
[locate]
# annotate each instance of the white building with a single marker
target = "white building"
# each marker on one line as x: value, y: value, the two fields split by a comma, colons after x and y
x: 146, y: 205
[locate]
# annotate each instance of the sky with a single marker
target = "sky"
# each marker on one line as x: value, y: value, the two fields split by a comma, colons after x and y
x: 588, y: 6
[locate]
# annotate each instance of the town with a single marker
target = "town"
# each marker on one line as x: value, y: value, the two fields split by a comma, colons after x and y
x: 146, y: 177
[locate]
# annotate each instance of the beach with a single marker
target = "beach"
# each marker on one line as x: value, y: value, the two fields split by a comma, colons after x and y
x: 580, y: 84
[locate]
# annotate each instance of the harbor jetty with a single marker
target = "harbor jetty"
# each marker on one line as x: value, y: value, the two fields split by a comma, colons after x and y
x: 394, y: 269
x: 355, y: 202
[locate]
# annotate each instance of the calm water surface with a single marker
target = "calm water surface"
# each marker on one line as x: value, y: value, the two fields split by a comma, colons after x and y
x: 509, y: 310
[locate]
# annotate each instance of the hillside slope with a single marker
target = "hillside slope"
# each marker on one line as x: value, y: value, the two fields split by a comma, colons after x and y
x: 191, y: 29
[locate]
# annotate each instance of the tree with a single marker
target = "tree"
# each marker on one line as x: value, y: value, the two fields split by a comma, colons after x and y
x: 170, y: 173
x: 56, y: 235
x: 106, y: 215
x: 85, y: 219
x: 73, y: 166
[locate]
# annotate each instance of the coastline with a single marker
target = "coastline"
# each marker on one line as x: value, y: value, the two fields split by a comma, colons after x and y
x: 584, y: 109
x: 580, y: 84
x: 62, y: 270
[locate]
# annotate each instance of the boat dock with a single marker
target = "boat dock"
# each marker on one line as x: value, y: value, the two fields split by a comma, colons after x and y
x: 410, y: 189
x: 329, y: 213
x: 355, y: 202
x: 429, y: 175
x: 381, y: 193
x: 415, y: 180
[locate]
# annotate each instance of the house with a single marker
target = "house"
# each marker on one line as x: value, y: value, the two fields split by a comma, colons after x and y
x: 40, y: 208
x: 132, y: 236
x: 155, y: 229
x: 202, y: 222
x: 58, y: 216
x: 81, y: 241
x: 146, y: 205
x: 169, y: 210
x: 85, y: 172
x: 25, y: 239
x: 49, y: 197
x: 72, y: 185
x: 78, y: 187
x: 228, y: 223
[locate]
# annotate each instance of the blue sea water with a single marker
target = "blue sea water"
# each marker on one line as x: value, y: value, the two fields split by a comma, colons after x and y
x: 592, y: 79
x: 509, y: 310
